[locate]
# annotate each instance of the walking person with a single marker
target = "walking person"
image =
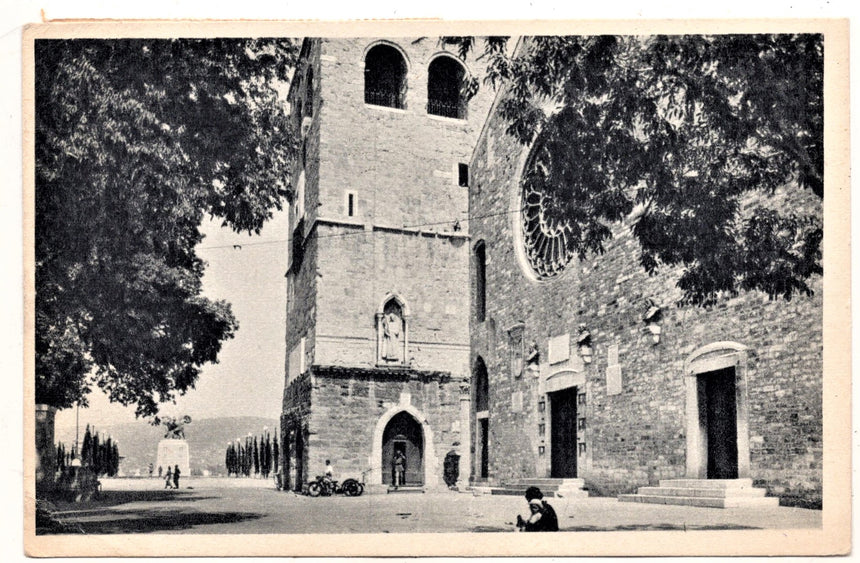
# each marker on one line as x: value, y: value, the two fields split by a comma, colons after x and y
x: 176, y: 473
x: 543, y: 517
x: 168, y: 481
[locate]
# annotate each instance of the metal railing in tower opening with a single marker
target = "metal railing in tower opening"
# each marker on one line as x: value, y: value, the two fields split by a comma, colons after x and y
x: 446, y: 108
x: 386, y: 98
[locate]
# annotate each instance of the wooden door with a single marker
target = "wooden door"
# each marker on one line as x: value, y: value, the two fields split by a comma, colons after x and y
x: 563, y: 433
x: 721, y: 413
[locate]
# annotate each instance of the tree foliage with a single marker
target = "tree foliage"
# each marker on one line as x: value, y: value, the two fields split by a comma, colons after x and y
x: 136, y: 141
x: 677, y: 134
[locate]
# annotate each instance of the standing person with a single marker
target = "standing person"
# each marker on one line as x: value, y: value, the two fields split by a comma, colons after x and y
x: 399, y: 463
x: 176, y: 473
x: 168, y: 481
x: 543, y: 517
x: 150, y: 470
x: 160, y: 471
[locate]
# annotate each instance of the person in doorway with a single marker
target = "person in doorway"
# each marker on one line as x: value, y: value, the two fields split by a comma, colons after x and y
x: 542, y: 518
x: 399, y: 463
x: 176, y: 474
x: 168, y: 481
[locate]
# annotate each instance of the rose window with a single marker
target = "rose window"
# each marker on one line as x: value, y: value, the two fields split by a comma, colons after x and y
x: 546, y: 230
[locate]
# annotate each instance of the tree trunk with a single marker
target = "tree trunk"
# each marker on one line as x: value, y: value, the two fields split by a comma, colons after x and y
x: 46, y: 453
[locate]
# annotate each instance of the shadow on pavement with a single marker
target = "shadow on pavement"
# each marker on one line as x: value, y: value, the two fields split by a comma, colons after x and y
x: 114, y: 498
x: 143, y: 521
x: 628, y: 528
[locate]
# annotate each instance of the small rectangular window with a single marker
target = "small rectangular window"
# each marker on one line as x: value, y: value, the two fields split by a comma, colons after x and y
x: 463, y: 175
x: 481, y: 281
x: 350, y: 204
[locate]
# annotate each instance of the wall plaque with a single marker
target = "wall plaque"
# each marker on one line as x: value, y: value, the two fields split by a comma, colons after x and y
x: 613, y: 380
x: 559, y: 348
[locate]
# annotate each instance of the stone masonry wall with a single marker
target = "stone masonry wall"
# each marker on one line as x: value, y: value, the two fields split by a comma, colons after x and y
x: 348, y: 408
x: 302, y: 282
x: 401, y: 163
x: 638, y: 436
x: 358, y: 269
x: 295, y: 417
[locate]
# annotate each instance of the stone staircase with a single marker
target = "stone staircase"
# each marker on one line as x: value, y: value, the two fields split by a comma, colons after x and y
x: 550, y: 487
x: 715, y: 493
x: 405, y: 489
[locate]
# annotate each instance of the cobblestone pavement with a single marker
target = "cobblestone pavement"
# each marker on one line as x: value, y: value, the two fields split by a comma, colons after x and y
x: 248, y: 506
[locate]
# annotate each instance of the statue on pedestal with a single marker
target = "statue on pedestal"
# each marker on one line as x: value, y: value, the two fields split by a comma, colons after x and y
x: 173, y: 449
x: 176, y: 427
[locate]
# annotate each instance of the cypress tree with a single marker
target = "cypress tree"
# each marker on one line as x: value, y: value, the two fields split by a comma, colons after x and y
x: 86, y: 448
x: 95, y: 454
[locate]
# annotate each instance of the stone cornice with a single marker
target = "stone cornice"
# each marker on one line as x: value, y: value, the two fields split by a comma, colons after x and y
x: 334, y: 222
x: 393, y: 373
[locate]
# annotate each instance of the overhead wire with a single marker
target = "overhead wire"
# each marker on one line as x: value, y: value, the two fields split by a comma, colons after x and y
x: 239, y: 246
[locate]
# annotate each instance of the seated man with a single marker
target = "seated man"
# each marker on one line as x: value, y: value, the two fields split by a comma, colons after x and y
x: 328, y: 478
x: 543, y: 517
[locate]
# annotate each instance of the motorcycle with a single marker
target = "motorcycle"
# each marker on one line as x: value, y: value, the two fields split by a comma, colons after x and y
x: 327, y: 487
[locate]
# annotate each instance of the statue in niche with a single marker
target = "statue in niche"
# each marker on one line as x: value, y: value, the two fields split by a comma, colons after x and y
x: 392, y: 333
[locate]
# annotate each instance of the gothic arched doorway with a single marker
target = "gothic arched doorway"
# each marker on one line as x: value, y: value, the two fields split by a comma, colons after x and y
x: 403, y: 433
x: 482, y: 419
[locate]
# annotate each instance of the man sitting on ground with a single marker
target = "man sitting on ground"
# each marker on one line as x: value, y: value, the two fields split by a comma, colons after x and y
x: 543, y: 517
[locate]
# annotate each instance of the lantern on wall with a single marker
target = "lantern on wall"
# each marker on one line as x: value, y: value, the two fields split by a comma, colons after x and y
x: 583, y: 342
x: 652, y: 318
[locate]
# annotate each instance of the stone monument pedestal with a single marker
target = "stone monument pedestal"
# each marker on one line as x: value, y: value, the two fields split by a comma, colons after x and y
x: 172, y: 453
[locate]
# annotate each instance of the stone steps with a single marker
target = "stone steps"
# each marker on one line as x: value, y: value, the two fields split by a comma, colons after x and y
x: 550, y: 487
x: 405, y: 489
x: 700, y: 492
x: 714, y: 493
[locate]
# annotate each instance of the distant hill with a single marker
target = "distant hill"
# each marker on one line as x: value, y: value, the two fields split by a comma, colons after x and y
x: 207, y: 441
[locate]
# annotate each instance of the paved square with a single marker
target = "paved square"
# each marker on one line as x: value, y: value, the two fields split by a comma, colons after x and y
x: 248, y: 506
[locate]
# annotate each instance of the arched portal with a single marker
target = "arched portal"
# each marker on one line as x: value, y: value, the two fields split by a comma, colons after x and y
x: 403, y: 436
x: 482, y: 419
x: 430, y: 469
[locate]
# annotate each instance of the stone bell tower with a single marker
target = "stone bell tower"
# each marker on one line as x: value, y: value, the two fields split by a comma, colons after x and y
x: 378, y: 300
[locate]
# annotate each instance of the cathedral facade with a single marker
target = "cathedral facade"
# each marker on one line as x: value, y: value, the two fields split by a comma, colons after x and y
x: 589, y: 370
x: 377, y: 308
